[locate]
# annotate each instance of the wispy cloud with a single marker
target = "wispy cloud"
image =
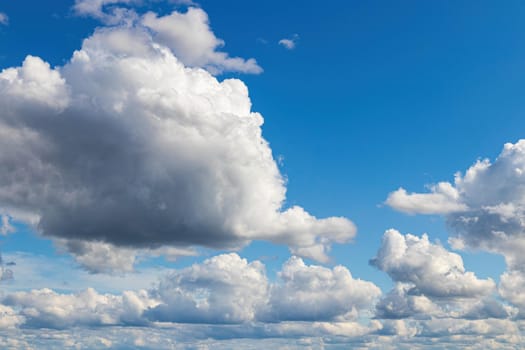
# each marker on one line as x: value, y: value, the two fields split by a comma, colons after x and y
x: 289, y: 43
x: 4, y: 19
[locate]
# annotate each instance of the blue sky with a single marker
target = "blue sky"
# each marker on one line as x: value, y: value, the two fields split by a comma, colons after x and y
x: 121, y: 166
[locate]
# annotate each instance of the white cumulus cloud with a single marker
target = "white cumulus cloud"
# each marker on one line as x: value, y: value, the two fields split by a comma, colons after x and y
x: 225, y: 289
x: 316, y: 293
x: 431, y: 269
x: 191, y: 39
x: 188, y: 34
x: 484, y: 210
x: 125, y: 145
x: 44, y: 308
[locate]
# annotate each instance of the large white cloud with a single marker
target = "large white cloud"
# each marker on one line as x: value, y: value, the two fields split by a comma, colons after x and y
x: 486, y: 211
x: 431, y: 269
x: 432, y: 283
x: 485, y: 206
x: 126, y: 145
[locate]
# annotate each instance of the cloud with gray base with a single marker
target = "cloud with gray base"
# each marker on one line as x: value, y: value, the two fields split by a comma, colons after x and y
x: 224, y: 289
x: 431, y: 269
x: 484, y: 210
x: 125, y: 145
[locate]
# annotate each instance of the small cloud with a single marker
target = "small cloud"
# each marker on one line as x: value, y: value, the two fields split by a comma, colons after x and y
x: 4, y: 19
x: 289, y: 43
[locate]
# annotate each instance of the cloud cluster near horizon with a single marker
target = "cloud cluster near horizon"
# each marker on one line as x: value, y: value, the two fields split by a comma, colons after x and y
x: 224, y: 289
x: 227, y: 297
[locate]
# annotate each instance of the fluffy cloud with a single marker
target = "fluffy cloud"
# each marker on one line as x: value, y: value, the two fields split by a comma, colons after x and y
x: 512, y: 284
x: 107, y: 11
x: 489, y: 214
x: 402, y: 303
x: 189, y: 36
x: 433, y: 271
x: 228, y: 289
x: 399, y: 303
x: 431, y: 283
x: 9, y: 318
x: 442, y: 199
x: 45, y: 308
x: 125, y: 145
x: 485, y: 207
x: 224, y: 289
x: 315, y: 293
x: 99, y: 257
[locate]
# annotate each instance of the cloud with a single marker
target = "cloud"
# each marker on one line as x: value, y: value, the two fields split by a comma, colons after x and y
x: 45, y: 308
x: 224, y: 289
x: 402, y: 303
x: 289, y: 43
x: 228, y: 289
x: 442, y: 199
x: 127, y: 146
x: 399, y: 303
x: 107, y: 11
x: 4, y: 19
x: 9, y: 318
x: 187, y: 34
x: 493, y: 215
x: 489, y: 308
x: 5, y: 225
x: 485, y: 206
x: 433, y: 271
x: 99, y: 257
x: 315, y: 293
x: 512, y: 284
x: 191, y: 39
x: 186, y: 336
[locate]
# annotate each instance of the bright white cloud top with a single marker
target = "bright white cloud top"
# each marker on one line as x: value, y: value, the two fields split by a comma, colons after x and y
x: 128, y: 146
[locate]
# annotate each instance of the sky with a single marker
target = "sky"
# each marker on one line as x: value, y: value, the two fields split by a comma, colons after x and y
x: 231, y: 174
